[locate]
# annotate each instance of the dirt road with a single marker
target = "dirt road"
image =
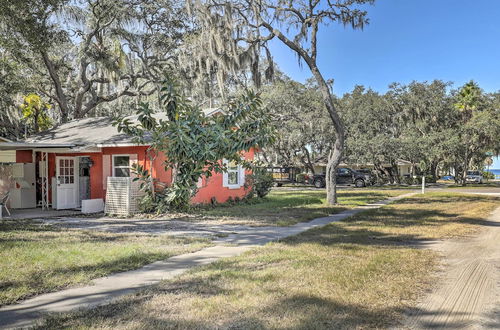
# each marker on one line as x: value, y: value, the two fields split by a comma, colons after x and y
x: 468, y: 294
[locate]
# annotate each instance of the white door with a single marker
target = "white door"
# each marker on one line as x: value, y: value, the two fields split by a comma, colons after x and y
x: 67, y: 182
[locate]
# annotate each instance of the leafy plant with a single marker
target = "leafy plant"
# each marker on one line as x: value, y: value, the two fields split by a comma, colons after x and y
x: 35, y: 112
x: 195, y: 144
x: 487, y: 175
x: 154, y: 192
x: 259, y: 182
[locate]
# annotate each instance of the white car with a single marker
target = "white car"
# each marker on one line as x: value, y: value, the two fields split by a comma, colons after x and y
x: 474, y: 177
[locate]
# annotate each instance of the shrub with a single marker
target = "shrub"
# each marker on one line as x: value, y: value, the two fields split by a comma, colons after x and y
x: 155, y: 199
x: 428, y: 179
x: 488, y: 175
x: 193, y: 143
x: 259, y: 182
x: 407, y: 179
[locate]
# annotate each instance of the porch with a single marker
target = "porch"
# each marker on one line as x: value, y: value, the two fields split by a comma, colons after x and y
x: 38, y: 213
x: 49, y: 178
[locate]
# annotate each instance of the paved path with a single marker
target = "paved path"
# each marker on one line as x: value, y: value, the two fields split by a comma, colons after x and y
x: 468, y: 294
x: 105, y: 289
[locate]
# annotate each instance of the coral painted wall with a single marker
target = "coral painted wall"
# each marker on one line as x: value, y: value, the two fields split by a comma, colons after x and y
x: 24, y: 156
x: 210, y: 188
x: 97, y: 171
x: 213, y: 187
x: 96, y: 190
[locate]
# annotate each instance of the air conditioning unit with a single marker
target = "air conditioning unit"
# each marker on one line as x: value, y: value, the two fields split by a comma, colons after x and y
x: 23, y: 194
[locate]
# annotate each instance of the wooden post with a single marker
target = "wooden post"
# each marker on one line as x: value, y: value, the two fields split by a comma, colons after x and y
x: 423, y: 184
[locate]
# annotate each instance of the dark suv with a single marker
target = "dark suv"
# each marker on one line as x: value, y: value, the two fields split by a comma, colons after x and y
x: 344, y: 176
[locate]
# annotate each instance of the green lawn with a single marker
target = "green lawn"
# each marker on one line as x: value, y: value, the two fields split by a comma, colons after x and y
x: 37, y: 258
x: 285, y: 207
x: 359, y: 273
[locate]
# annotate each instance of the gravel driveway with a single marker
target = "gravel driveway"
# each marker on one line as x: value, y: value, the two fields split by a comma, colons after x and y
x: 468, y: 294
x: 149, y: 226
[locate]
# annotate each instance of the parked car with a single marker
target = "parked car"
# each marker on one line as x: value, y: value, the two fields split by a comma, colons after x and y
x: 474, y: 177
x: 344, y: 176
x: 448, y: 178
x: 370, y: 172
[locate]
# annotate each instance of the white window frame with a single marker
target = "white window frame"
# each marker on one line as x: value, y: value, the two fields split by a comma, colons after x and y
x: 241, y: 177
x: 113, y: 167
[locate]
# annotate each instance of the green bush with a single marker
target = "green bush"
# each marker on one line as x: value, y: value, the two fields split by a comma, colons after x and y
x: 156, y: 197
x: 259, y: 182
x: 428, y: 179
x: 488, y: 175
x: 407, y: 179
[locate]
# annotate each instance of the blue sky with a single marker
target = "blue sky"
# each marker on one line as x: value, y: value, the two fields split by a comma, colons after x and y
x: 452, y: 40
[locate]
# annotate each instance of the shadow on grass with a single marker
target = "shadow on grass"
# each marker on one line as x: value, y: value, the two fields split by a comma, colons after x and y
x: 36, y: 282
x: 362, y: 229
x: 309, y: 312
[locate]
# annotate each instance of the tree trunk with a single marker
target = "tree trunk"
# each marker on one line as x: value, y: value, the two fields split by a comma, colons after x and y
x: 60, y: 96
x: 331, y: 179
x: 376, y: 167
x: 465, y: 167
x: 433, y: 169
x: 308, y: 164
x: 436, y: 171
x: 35, y: 123
x: 386, y: 173
x: 336, y: 154
x: 338, y: 147
x: 395, y: 171
x: 458, y: 173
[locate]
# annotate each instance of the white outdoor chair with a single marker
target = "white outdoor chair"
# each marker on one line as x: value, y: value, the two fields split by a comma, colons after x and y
x: 3, y: 204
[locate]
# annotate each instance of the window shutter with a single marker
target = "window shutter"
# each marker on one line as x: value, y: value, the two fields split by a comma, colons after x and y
x: 242, y: 176
x: 132, y: 160
x: 224, y: 175
x: 106, y: 170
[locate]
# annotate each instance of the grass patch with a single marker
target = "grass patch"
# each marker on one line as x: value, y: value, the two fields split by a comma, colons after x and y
x: 430, y: 216
x: 360, y: 273
x: 283, y: 207
x: 36, y: 258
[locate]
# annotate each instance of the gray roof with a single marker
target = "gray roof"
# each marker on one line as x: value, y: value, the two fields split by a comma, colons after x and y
x: 28, y: 146
x: 97, y: 131
x: 87, y: 131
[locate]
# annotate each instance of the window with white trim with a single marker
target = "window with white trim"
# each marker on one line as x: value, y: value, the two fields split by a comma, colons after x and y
x: 121, y: 166
x: 234, y: 176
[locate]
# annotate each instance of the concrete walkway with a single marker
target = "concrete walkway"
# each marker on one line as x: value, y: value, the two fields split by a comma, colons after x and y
x: 103, y: 290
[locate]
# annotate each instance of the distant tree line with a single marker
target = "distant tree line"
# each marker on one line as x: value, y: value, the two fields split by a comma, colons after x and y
x: 430, y: 124
x: 105, y: 57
